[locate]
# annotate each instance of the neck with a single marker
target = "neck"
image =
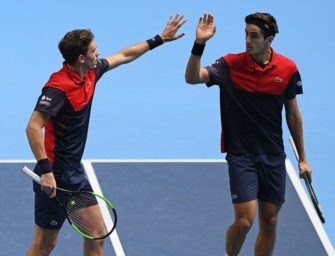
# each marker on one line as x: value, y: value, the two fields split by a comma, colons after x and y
x: 79, y: 69
x: 262, y: 58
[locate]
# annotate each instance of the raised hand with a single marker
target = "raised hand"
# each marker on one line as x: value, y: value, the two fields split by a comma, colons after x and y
x: 169, y: 32
x: 205, y: 29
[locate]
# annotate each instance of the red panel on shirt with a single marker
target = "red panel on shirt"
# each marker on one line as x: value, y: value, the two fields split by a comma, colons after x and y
x: 78, y: 91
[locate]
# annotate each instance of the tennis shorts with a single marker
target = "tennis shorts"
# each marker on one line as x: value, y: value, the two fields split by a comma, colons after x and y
x: 49, y: 213
x: 257, y: 176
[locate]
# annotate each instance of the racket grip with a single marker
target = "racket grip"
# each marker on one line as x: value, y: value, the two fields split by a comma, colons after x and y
x: 30, y: 173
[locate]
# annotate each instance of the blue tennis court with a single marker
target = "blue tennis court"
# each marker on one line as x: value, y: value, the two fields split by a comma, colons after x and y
x: 165, y: 207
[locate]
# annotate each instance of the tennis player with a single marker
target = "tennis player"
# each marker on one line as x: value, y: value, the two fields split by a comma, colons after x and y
x: 254, y: 87
x: 63, y: 110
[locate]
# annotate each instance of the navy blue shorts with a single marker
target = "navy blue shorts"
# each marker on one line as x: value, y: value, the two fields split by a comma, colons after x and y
x: 257, y: 176
x: 49, y: 213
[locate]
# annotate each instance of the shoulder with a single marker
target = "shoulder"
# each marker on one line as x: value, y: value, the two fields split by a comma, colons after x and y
x: 235, y: 58
x: 285, y: 62
x: 57, y: 80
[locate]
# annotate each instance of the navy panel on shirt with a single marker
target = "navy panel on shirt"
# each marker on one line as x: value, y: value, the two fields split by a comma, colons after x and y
x: 251, y: 101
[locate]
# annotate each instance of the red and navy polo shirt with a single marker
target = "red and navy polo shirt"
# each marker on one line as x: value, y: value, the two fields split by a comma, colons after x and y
x: 67, y: 99
x: 252, y: 99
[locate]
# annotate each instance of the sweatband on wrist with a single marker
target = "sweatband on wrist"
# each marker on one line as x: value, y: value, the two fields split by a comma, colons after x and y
x: 44, y: 165
x: 198, y: 49
x: 154, y: 42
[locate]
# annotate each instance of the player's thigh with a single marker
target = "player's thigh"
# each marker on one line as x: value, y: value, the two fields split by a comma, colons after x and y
x: 268, y: 212
x: 45, y: 237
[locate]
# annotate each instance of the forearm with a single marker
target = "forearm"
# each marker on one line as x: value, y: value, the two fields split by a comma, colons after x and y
x: 192, y: 74
x: 131, y: 53
x: 128, y: 54
x: 294, y: 123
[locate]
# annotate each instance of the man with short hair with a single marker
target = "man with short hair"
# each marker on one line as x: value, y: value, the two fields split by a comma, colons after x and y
x: 254, y: 87
x: 63, y: 110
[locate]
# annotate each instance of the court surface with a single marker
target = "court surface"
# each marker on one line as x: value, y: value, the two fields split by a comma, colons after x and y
x: 165, y: 207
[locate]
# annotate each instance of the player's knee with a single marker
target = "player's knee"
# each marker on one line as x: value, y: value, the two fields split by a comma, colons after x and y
x: 42, y: 247
x: 243, y: 224
x: 269, y: 222
x: 93, y: 245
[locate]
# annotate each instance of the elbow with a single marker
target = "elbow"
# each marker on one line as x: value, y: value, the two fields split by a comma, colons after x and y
x: 31, y: 129
x: 190, y: 80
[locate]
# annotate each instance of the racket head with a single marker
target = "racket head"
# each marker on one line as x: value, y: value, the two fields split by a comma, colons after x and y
x: 91, y: 215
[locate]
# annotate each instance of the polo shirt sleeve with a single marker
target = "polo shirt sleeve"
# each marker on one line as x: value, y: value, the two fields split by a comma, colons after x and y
x: 50, y: 101
x: 101, y: 68
x: 294, y: 86
x: 218, y: 72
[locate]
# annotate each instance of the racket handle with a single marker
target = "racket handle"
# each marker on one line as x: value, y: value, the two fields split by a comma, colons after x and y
x: 30, y: 173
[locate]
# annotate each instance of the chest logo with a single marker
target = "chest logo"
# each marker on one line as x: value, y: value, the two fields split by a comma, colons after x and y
x: 278, y: 79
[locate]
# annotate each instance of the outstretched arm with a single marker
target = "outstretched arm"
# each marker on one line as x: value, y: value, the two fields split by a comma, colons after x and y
x: 294, y: 123
x: 133, y: 52
x: 205, y: 30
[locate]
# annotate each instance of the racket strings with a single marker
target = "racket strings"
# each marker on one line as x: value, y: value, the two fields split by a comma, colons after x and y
x: 88, y: 225
x: 82, y: 212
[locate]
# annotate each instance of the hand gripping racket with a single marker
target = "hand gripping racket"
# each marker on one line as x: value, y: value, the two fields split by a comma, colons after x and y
x: 84, y: 211
x: 309, y: 186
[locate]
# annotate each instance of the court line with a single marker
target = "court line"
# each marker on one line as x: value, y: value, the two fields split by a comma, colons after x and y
x: 105, y: 213
x: 290, y: 171
x: 309, y: 208
x: 157, y: 160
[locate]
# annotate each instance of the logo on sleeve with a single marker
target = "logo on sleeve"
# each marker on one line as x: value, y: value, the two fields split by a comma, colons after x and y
x: 299, y: 83
x: 45, y: 100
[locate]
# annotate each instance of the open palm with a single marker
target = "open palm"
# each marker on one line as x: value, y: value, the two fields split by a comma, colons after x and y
x: 205, y: 29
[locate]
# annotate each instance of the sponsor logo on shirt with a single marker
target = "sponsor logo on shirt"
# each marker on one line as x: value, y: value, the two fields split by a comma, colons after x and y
x: 45, y: 100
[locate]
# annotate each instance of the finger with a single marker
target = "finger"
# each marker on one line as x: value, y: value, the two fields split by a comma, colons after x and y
x: 214, y: 29
x: 180, y: 24
x: 180, y: 35
x: 205, y: 18
x: 169, y: 20
x: 179, y: 18
x: 200, y: 21
x: 210, y: 19
x: 52, y: 194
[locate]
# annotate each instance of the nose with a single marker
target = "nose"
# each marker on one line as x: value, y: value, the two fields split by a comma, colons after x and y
x: 247, y: 39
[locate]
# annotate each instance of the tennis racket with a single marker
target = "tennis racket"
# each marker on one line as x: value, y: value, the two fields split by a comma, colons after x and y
x: 84, y: 211
x: 309, y: 186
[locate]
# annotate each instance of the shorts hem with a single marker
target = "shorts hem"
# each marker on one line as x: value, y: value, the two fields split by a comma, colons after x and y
x: 272, y: 201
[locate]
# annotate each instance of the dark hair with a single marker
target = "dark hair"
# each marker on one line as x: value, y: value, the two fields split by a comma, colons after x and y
x: 265, y: 21
x: 75, y: 43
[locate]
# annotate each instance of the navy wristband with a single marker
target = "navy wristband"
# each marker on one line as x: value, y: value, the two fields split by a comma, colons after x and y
x: 154, y: 42
x: 44, y: 165
x: 198, y: 49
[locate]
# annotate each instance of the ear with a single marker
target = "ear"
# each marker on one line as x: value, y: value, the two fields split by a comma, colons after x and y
x: 269, y: 40
x: 81, y: 58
